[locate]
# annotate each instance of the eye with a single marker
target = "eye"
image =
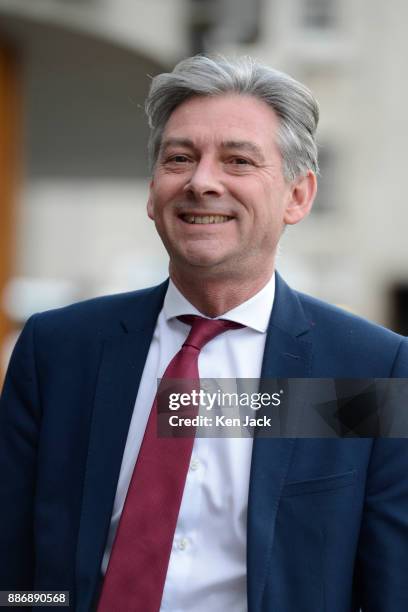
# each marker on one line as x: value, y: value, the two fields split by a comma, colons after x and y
x: 178, y: 159
x: 239, y: 165
x: 240, y: 161
x: 176, y: 162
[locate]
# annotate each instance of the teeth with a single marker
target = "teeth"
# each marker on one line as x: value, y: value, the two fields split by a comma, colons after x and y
x: 205, y: 219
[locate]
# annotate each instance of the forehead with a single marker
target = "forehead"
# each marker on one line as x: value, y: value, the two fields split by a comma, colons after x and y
x: 227, y: 117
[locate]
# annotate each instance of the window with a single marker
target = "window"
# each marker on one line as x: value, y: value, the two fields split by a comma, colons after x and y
x: 399, y: 308
x: 319, y: 14
x: 215, y: 22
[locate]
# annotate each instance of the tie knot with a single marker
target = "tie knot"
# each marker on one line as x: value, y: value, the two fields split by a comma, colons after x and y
x: 203, y: 330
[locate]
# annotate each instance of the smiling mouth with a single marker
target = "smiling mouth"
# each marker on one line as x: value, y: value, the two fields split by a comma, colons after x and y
x: 205, y: 219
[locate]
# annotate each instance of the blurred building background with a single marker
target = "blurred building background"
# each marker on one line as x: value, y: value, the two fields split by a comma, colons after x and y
x: 74, y: 177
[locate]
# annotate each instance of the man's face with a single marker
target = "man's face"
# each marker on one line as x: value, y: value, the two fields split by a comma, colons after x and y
x: 218, y: 195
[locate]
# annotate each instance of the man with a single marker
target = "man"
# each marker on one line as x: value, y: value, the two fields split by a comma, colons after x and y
x: 269, y: 525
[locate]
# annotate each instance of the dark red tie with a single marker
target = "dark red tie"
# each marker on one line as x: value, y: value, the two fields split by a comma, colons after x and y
x: 137, y: 569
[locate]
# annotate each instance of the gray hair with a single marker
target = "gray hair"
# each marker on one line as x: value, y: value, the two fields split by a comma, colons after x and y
x: 294, y: 104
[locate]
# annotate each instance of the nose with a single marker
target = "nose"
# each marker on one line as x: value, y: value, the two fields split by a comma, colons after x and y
x: 205, y: 180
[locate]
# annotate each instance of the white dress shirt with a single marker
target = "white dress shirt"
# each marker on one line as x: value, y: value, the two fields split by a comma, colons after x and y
x: 207, y: 568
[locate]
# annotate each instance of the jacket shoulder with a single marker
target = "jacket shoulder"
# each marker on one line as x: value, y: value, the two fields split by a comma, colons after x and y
x: 346, y: 338
x: 321, y: 313
x: 104, y: 313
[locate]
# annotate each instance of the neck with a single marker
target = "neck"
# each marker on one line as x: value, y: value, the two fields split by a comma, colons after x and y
x: 215, y: 296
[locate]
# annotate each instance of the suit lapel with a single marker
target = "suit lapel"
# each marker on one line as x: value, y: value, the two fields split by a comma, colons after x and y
x: 123, y: 359
x: 287, y: 355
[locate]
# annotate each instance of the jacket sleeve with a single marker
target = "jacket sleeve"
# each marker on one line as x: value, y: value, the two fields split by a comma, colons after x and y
x: 382, y: 562
x: 19, y: 431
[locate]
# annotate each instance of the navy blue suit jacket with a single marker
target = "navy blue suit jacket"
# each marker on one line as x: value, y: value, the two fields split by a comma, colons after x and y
x: 327, y: 518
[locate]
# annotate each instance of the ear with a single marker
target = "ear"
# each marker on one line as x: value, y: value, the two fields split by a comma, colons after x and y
x: 302, y: 195
x: 150, y: 206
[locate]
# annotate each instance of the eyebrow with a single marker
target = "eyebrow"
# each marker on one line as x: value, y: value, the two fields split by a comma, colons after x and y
x: 242, y: 145
x: 176, y: 142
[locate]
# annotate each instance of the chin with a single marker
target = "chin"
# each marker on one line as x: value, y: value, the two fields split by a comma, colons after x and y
x: 201, y: 257
x: 203, y: 262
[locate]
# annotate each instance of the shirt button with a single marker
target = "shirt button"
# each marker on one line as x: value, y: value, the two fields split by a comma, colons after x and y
x: 183, y: 543
x: 194, y: 465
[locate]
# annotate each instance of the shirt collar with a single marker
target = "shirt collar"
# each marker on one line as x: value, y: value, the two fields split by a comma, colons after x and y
x: 253, y: 313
